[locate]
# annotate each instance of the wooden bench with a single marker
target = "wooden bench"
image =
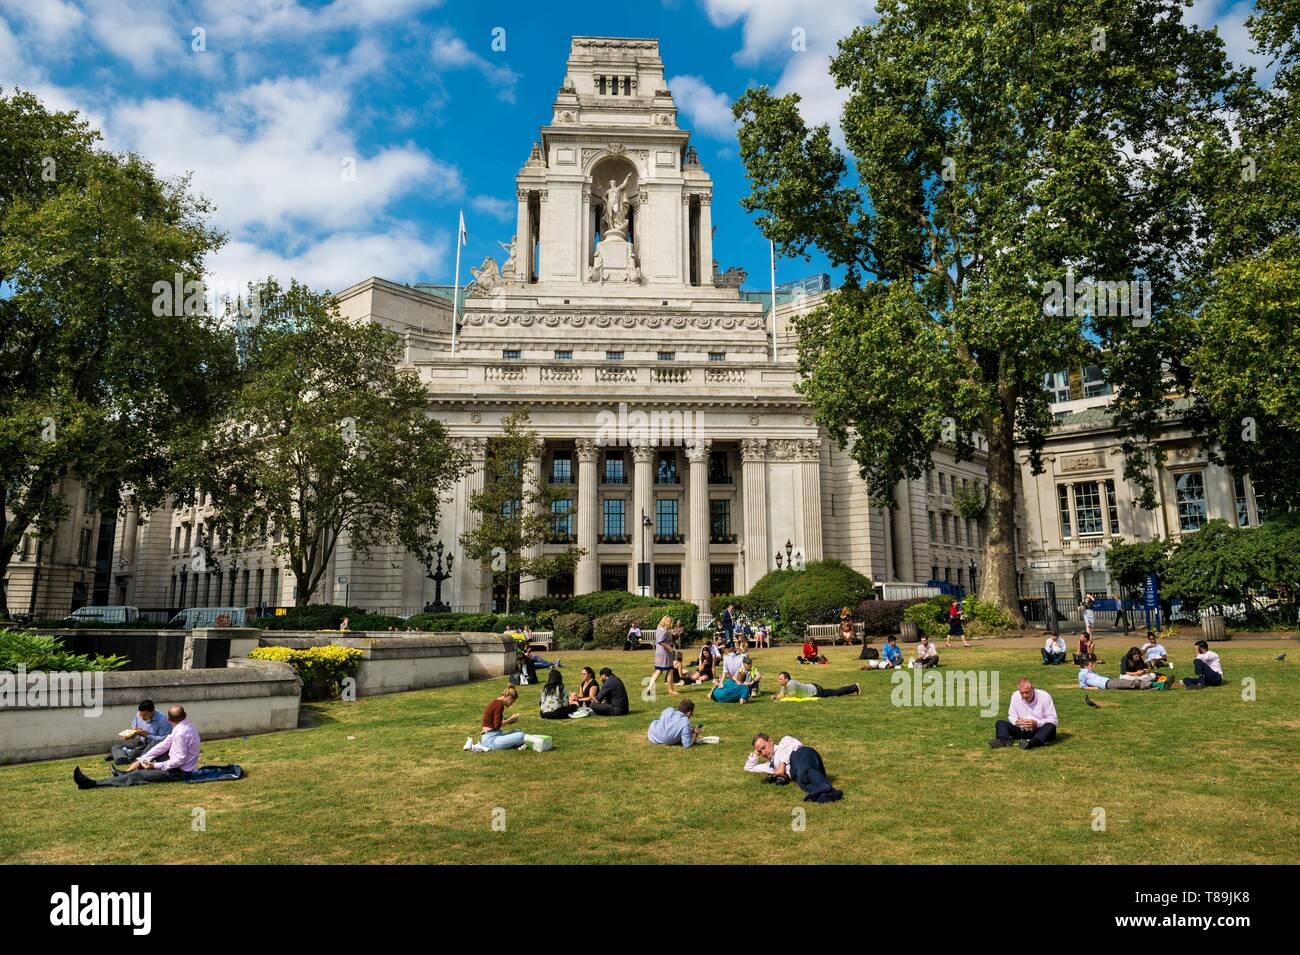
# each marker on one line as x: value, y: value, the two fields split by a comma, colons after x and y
x: 542, y: 639
x: 830, y: 631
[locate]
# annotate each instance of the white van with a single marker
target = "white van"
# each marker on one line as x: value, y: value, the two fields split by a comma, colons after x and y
x: 103, y: 615
x: 200, y: 617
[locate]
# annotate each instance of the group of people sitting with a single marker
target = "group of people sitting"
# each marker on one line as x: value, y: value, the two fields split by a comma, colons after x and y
x: 156, y: 749
x: 602, y: 694
x: 739, y: 632
x: 1138, y: 668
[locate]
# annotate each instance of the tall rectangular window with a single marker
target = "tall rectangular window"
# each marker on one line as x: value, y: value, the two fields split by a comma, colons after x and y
x: 562, y: 467
x: 1087, y: 508
x: 719, y: 468
x: 666, y: 519
x: 245, y: 591
x: 1243, y: 510
x: 83, y: 547
x: 1190, y: 492
x: 934, y: 530
x: 261, y: 582
x: 92, y: 501
x: 666, y: 468
x: 943, y: 525
x: 720, y: 521
x: 1058, y: 384
x: 668, y: 581
x: 275, y: 586
x: 722, y: 579
x: 613, y: 576
x: 612, y: 519
x: 1063, y: 503
x: 614, y: 468
x: 1094, y: 381
x: 943, y: 483
x: 562, y: 519
x: 929, y: 482
x: 1112, y: 508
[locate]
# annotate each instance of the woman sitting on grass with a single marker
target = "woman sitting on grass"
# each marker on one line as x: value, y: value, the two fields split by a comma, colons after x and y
x: 1087, y: 650
x: 706, y: 664
x: 684, y: 676
x: 555, y: 703
x: 810, y: 652
x: 494, y: 719
x: 1132, y: 664
x: 586, y: 694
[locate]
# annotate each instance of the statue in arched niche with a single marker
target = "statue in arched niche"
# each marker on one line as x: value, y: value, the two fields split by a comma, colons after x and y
x: 615, y: 200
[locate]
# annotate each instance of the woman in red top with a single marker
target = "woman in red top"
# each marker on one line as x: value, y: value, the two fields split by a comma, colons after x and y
x: 810, y: 654
x: 494, y: 719
x: 955, y: 629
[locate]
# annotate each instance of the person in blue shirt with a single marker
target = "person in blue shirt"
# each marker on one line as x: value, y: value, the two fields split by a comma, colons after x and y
x: 149, y: 728
x: 673, y: 727
x: 1090, y: 679
x: 729, y: 691
x: 892, y: 652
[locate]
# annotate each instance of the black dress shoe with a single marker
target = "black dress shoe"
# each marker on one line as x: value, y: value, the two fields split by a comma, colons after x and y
x: 82, y: 780
x: 999, y: 743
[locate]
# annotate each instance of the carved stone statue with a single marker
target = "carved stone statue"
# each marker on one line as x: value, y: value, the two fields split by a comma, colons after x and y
x: 632, y: 275
x: 486, y: 278
x: 509, y: 267
x: 597, y: 271
x: 615, y: 199
x: 734, y: 277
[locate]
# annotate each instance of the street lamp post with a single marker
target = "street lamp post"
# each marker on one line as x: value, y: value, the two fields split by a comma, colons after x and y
x: 646, y: 525
x: 972, y: 575
x: 438, y: 575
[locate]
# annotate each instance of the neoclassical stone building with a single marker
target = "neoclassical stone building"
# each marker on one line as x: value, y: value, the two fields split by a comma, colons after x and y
x: 668, y: 415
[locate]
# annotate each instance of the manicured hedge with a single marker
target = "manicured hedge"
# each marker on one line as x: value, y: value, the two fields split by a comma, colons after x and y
x: 812, y: 595
x: 35, y: 651
x: 572, y: 631
x: 328, y: 617
x: 884, y: 617
x: 469, y: 622
x: 610, y: 630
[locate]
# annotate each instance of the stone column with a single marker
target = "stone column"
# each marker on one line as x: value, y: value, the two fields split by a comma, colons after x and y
x: 130, y: 523
x: 810, y: 503
x: 753, y: 457
x: 642, y: 500
x: 706, y: 240
x: 477, y: 590
x: 697, y: 567
x: 686, y: 238
x: 523, y: 238
x: 587, y: 578
x: 529, y: 585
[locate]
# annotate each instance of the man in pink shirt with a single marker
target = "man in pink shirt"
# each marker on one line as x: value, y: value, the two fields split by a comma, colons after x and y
x: 181, y: 757
x: 1031, y: 718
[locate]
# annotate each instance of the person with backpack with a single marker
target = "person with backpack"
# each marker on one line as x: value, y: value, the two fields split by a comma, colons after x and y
x: 555, y: 703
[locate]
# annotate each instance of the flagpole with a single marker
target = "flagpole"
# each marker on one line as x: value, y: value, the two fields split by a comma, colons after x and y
x: 455, y: 295
x: 772, y: 248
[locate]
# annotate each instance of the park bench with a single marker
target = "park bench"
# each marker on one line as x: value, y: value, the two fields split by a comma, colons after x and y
x: 830, y: 631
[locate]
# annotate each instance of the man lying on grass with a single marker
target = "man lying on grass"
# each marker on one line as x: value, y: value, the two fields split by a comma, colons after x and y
x: 1031, y: 718
x: 790, y: 760
x: 1089, y: 679
x: 794, y: 690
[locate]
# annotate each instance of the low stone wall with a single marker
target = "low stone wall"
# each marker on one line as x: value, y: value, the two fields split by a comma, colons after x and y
x: 250, y: 696
x: 393, y: 663
x: 144, y: 649
x: 490, y: 654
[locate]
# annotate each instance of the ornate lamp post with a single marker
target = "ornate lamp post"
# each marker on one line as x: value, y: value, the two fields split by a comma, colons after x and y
x: 437, y: 575
x: 972, y: 575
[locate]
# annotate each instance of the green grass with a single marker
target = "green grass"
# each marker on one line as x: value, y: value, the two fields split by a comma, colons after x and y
x: 1184, y: 777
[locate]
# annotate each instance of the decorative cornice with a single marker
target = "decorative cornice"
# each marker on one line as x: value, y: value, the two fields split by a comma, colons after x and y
x: 572, y: 320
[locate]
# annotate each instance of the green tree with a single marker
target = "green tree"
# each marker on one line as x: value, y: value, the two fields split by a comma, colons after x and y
x: 1242, y: 366
x: 326, y: 435
x: 95, y: 382
x: 515, y: 511
x: 1212, y: 568
x: 998, y: 147
x: 1129, y: 563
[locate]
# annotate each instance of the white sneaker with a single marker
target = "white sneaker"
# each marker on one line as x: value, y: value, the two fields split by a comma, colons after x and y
x: 469, y: 743
x: 480, y: 748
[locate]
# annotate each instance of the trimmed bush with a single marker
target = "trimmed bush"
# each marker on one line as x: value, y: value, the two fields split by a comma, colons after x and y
x: 470, y: 622
x: 321, y: 669
x: 982, y: 618
x: 610, y: 630
x: 929, y: 615
x: 310, y: 617
x: 572, y: 631
x: 880, y: 618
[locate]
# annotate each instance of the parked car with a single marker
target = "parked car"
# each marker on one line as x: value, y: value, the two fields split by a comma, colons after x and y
x: 103, y: 615
x: 199, y: 617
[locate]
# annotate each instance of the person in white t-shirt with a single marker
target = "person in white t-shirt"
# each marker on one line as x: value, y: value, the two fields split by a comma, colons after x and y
x: 1153, y: 652
x: 1053, y: 649
x: 1207, y: 665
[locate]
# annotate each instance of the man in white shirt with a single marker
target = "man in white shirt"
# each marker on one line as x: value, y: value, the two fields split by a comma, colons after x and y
x: 1053, y: 649
x: 1207, y: 665
x: 1031, y: 718
x: 1153, y: 653
x: 927, y: 654
x: 792, y: 760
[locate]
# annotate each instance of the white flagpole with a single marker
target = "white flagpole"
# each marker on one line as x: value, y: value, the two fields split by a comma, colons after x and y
x: 772, y: 248
x: 455, y: 295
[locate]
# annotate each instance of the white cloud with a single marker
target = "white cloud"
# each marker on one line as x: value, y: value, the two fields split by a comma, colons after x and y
x: 494, y: 207
x: 1230, y: 20
x: 449, y: 52
x: 336, y: 262
x: 708, y: 110
x: 801, y: 34
x: 48, y: 22
x: 254, y: 20
x: 142, y: 33
x: 279, y: 154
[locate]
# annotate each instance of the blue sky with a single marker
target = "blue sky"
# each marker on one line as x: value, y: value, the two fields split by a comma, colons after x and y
x: 285, y: 95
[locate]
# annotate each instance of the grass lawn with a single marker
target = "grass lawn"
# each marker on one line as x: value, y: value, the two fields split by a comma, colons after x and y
x: 1183, y: 777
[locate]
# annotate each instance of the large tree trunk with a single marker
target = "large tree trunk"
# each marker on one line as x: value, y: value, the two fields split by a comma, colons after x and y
x: 999, y: 585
